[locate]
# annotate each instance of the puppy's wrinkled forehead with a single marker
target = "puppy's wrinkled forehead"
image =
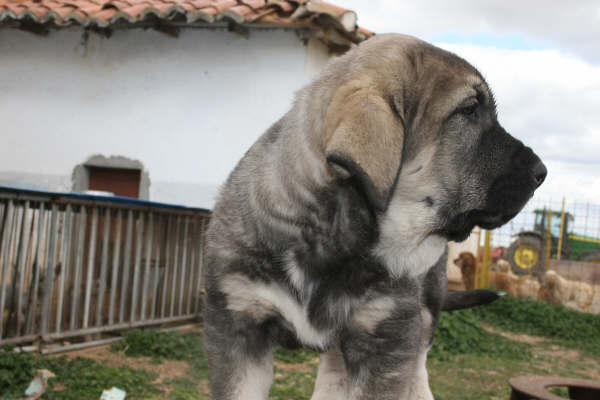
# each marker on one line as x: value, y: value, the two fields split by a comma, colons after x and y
x: 413, y: 71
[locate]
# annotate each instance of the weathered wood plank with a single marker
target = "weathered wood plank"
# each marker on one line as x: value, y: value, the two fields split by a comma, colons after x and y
x: 126, y: 260
x: 90, y: 269
x: 4, y: 263
x: 114, y: 277
x: 25, y: 235
x: 50, y: 267
x: 163, y: 307
x: 139, y: 242
x: 103, y: 267
x: 38, y: 261
x: 156, y: 267
x: 78, y: 264
x: 65, y: 264
x: 146, y: 281
x: 185, y: 240
x: 175, y: 265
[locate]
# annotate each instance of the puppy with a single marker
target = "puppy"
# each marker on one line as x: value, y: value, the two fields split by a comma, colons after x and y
x: 467, y: 263
x: 331, y: 231
x: 574, y: 294
x: 513, y: 285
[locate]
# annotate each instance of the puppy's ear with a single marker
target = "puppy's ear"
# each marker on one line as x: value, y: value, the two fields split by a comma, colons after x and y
x: 364, y: 136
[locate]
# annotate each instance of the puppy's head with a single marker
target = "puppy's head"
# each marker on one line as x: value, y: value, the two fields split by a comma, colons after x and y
x: 465, y: 260
x: 416, y: 127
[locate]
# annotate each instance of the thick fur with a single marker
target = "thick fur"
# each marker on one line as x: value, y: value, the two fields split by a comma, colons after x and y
x: 522, y: 287
x: 331, y: 231
x: 502, y: 278
x: 574, y: 294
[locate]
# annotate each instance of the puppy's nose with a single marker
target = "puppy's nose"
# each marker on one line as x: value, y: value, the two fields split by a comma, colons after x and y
x: 539, y: 173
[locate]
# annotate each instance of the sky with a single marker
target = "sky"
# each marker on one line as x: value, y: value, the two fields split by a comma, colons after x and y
x: 542, y: 61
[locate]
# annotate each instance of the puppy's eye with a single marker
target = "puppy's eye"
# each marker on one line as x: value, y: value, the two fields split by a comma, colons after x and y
x: 468, y: 110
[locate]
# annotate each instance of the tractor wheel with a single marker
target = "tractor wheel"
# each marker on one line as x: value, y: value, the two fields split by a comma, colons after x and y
x: 525, y: 256
x: 591, y: 256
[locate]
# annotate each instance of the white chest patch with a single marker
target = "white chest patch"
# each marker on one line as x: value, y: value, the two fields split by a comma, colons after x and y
x: 404, y: 245
x: 262, y: 300
x: 414, y: 260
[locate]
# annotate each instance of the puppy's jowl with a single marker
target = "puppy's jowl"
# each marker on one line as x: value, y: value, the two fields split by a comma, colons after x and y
x: 331, y: 232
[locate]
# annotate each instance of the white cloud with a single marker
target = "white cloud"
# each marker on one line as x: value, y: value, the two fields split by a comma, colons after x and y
x: 572, y: 26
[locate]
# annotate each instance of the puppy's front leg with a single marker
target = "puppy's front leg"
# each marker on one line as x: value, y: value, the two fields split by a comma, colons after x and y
x: 384, y: 353
x: 238, y: 350
x: 419, y: 389
x: 237, y: 371
x: 332, y: 378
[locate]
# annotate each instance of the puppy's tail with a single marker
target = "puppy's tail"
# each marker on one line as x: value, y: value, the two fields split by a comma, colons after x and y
x: 469, y: 298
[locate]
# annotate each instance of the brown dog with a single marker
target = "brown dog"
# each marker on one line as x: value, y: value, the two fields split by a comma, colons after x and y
x: 558, y: 290
x: 467, y: 263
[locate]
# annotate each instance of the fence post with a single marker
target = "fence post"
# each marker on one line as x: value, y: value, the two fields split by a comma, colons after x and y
x: 548, y: 240
x: 4, y: 258
x: 562, y: 227
x: 485, y: 266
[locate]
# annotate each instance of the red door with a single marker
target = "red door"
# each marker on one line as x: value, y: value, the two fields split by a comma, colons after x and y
x: 121, y: 182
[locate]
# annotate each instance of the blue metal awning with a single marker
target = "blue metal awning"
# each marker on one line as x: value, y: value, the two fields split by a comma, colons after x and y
x: 16, y: 193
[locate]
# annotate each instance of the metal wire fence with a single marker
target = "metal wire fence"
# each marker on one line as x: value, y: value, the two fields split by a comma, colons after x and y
x: 546, y: 234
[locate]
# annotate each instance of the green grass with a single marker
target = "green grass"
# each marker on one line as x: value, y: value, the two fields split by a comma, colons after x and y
x: 294, y: 356
x: 159, y: 346
x: 460, y: 332
x: 562, y: 325
x: 466, y: 362
x: 469, y: 363
x: 294, y: 384
x: 80, y: 378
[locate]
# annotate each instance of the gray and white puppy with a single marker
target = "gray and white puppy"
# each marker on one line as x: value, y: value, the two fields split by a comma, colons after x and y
x: 331, y: 232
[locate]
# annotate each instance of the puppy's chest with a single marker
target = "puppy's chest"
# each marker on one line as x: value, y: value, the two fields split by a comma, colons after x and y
x: 313, y: 300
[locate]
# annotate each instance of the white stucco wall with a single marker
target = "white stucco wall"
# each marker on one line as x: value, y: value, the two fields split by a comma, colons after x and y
x: 186, y: 107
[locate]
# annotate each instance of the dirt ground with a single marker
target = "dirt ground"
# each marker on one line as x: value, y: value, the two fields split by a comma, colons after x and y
x: 167, y: 369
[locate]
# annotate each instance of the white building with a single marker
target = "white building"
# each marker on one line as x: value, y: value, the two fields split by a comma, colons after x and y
x: 168, y: 94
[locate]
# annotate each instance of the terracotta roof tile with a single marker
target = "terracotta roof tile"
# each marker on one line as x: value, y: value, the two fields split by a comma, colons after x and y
x: 202, y: 3
x: 39, y: 11
x: 238, y: 13
x: 223, y: 5
x: 105, y: 15
x: 63, y: 11
x: 254, y: 4
x: 318, y: 15
x: 15, y: 8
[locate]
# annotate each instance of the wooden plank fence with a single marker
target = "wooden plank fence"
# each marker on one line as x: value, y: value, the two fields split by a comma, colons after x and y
x: 73, y: 265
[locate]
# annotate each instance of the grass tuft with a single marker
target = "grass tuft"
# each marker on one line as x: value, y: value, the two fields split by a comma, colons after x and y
x: 459, y: 332
x: 566, y: 327
x: 466, y: 362
x: 160, y: 345
x: 79, y: 378
x: 294, y: 356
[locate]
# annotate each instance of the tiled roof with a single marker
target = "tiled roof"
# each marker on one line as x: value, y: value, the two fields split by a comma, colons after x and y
x: 109, y: 13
